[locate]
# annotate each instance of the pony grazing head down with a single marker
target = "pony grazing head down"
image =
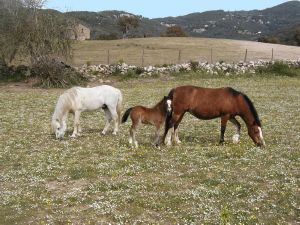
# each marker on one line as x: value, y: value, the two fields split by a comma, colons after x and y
x: 255, y: 132
x: 58, y: 128
x: 254, y: 129
x: 60, y: 114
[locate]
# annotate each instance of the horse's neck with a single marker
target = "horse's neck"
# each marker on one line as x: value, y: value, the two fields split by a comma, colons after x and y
x: 60, y: 112
x: 248, y: 117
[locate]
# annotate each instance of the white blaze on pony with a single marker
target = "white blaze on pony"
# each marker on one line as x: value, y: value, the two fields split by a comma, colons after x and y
x: 79, y: 99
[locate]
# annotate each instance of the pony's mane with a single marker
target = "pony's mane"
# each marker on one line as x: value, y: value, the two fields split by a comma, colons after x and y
x: 64, y: 103
x: 249, y: 103
x: 252, y: 109
x: 159, y: 104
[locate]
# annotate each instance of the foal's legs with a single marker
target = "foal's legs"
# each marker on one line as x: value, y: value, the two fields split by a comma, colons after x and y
x: 107, y: 120
x: 76, y: 124
x: 132, y: 132
x: 156, y: 140
x: 236, y: 137
x: 224, y: 120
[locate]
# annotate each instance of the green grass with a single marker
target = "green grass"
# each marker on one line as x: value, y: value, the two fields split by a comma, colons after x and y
x: 98, y: 179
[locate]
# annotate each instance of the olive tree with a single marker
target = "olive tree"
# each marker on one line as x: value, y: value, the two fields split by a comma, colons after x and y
x: 126, y: 23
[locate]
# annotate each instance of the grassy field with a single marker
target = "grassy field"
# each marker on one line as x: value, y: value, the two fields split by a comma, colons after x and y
x: 159, y: 51
x: 98, y: 179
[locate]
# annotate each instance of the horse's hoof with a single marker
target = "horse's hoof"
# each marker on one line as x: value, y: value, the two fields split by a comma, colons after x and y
x: 73, y: 136
x: 103, y: 132
x: 236, y: 138
x: 178, y: 142
x: 168, y: 144
x: 114, y: 133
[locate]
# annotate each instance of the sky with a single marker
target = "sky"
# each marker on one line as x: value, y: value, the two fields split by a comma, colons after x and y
x: 160, y: 8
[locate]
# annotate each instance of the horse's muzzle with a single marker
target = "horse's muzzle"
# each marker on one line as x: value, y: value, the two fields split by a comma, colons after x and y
x: 261, y: 144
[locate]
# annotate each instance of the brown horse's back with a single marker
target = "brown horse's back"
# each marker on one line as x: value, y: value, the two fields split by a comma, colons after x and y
x: 206, y: 103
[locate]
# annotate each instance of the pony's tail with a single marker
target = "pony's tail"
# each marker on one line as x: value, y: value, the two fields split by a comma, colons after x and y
x: 126, y: 114
x: 119, y: 108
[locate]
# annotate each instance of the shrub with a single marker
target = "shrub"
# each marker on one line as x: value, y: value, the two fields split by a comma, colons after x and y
x: 112, y: 36
x: 194, y: 65
x: 175, y: 31
x: 279, y: 68
x: 273, y: 40
x: 56, y: 74
x: 139, y: 70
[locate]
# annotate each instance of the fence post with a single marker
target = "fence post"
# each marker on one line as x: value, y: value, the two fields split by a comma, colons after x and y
x: 211, y: 56
x: 246, y: 53
x: 272, y: 55
x: 143, y: 52
x: 108, y: 57
x: 179, y: 56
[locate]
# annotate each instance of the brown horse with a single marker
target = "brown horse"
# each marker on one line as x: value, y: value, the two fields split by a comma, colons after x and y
x: 155, y: 116
x: 210, y: 103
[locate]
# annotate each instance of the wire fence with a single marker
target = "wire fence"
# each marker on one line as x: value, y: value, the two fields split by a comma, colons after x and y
x: 145, y: 57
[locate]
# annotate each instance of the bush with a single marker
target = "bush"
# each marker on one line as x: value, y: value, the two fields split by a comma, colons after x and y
x: 139, y: 70
x: 273, y: 40
x: 194, y: 65
x: 279, y: 69
x: 175, y: 31
x: 112, y: 36
x: 52, y: 73
x: 13, y: 74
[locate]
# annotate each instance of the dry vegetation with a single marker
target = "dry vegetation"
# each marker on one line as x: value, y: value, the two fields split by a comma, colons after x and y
x: 166, y: 51
x: 99, y: 179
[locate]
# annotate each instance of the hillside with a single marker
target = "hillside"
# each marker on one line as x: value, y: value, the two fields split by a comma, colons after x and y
x: 242, y: 25
x: 106, y: 23
x: 246, y: 25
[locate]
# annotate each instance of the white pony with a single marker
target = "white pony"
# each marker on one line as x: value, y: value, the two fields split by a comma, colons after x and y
x: 79, y: 99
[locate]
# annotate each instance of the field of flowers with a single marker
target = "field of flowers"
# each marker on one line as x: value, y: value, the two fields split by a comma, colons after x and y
x: 98, y: 179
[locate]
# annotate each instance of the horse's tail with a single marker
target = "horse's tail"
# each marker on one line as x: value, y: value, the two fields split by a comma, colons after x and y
x: 119, y: 107
x: 126, y: 114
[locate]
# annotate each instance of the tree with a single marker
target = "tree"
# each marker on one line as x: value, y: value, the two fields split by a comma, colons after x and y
x: 297, y: 36
x: 29, y: 31
x: 126, y: 23
x: 175, y: 31
x: 37, y: 37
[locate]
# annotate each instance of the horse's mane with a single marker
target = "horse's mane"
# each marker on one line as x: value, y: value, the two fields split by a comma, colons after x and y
x: 161, y: 105
x: 249, y: 103
x: 64, y: 103
x: 252, y: 109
